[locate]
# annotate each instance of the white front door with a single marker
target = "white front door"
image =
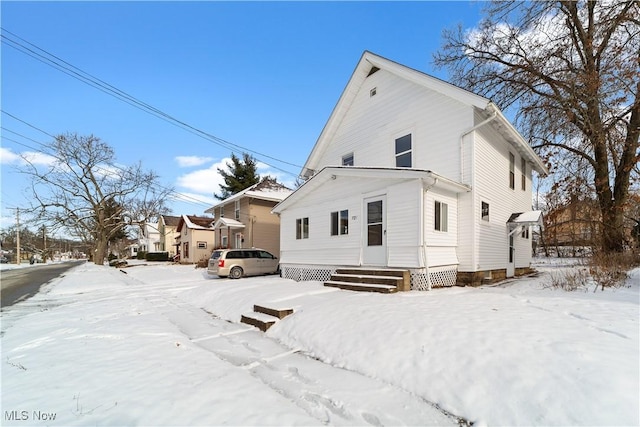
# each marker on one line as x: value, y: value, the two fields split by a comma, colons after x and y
x: 511, y: 262
x: 375, y: 231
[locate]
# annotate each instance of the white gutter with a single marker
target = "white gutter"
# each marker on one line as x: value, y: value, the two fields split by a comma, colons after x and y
x: 467, y: 132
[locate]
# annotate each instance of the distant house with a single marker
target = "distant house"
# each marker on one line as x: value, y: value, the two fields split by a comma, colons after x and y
x: 244, y: 220
x: 149, y: 237
x: 167, y: 227
x: 575, y: 223
x: 195, y: 238
x: 412, y: 173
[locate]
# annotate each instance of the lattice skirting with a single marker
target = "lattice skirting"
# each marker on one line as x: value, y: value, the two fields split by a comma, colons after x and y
x: 303, y: 273
x: 443, y: 276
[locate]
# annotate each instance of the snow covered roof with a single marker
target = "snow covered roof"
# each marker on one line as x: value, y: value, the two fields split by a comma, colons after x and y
x: 267, y: 189
x: 524, y: 219
x: 195, y: 222
x: 228, y: 222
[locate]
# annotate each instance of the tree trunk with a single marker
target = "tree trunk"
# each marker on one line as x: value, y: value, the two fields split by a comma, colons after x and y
x: 100, y: 251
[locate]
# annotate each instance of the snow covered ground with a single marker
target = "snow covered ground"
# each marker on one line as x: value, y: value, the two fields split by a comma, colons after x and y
x: 161, y: 344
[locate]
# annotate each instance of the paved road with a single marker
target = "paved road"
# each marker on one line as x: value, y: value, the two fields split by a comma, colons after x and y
x: 22, y: 283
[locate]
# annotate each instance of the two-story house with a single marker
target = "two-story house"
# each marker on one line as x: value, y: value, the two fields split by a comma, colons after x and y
x: 149, y: 237
x: 244, y: 220
x: 167, y: 227
x: 411, y: 172
x: 195, y: 238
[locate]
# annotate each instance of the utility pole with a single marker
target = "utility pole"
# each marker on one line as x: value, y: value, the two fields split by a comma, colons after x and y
x: 18, y: 236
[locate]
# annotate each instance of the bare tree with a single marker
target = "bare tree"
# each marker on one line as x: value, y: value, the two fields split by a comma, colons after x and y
x: 572, y: 70
x: 84, y: 192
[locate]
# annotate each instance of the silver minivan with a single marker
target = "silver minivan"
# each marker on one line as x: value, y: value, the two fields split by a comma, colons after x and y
x: 236, y: 263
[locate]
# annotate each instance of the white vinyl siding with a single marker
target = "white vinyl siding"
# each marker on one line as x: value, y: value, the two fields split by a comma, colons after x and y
x: 372, y: 125
x: 492, y: 160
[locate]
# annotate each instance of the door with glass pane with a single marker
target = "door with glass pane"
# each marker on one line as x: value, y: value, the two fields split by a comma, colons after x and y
x: 375, y: 232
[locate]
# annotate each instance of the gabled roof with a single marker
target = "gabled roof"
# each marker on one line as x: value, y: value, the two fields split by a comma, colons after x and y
x: 267, y: 189
x: 195, y: 222
x: 228, y: 222
x: 332, y: 172
x: 171, y: 221
x: 370, y: 63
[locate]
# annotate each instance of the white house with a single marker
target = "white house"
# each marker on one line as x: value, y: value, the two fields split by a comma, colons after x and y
x: 411, y: 172
x: 149, y: 237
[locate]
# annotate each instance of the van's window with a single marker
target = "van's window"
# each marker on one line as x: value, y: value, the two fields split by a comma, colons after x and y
x: 265, y: 254
x: 234, y: 254
x: 216, y: 254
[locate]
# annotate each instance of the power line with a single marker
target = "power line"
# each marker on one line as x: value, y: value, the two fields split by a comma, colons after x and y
x: 179, y: 196
x: 75, y: 72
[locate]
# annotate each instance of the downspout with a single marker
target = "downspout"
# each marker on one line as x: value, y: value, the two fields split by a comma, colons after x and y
x: 424, y: 229
x: 474, y: 256
x: 467, y: 132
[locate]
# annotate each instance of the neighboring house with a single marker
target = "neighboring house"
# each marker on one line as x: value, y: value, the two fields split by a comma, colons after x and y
x: 195, y: 238
x: 149, y: 237
x: 244, y: 220
x: 576, y: 223
x: 167, y: 227
x: 411, y: 172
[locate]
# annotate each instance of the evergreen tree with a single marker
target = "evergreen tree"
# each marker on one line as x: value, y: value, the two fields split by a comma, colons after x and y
x: 241, y: 174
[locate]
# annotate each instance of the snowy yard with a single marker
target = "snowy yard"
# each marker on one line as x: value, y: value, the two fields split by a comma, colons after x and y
x: 161, y: 345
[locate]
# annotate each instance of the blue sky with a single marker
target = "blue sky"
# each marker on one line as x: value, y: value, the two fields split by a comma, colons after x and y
x: 264, y: 76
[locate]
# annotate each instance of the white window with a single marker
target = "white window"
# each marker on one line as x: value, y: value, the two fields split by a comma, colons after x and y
x: 403, y: 152
x: 512, y: 171
x: 485, y: 211
x: 237, y: 210
x: 339, y: 223
x: 523, y: 169
x: 302, y: 228
x: 441, y: 216
x: 202, y: 245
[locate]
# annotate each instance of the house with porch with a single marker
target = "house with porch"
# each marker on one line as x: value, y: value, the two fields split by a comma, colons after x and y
x: 412, y: 173
x: 195, y: 236
x: 244, y: 220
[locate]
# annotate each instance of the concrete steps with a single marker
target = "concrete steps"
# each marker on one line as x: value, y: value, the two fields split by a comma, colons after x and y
x: 371, y: 280
x: 264, y: 317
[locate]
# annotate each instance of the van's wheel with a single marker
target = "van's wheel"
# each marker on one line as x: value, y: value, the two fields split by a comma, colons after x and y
x: 236, y: 273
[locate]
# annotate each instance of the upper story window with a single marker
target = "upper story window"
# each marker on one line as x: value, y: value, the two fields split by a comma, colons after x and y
x: 221, y: 212
x: 512, y: 171
x: 347, y: 160
x: 441, y: 216
x: 485, y: 211
x: 403, y: 152
x: 237, y: 210
x: 523, y: 169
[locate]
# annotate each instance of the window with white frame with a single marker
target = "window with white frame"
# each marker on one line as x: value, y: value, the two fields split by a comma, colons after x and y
x: 523, y: 170
x: 525, y: 232
x: 302, y: 228
x: 441, y: 216
x: 340, y: 223
x: 202, y: 245
x: 403, y: 152
x: 237, y: 210
x: 512, y: 171
x: 485, y: 211
x: 347, y: 160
